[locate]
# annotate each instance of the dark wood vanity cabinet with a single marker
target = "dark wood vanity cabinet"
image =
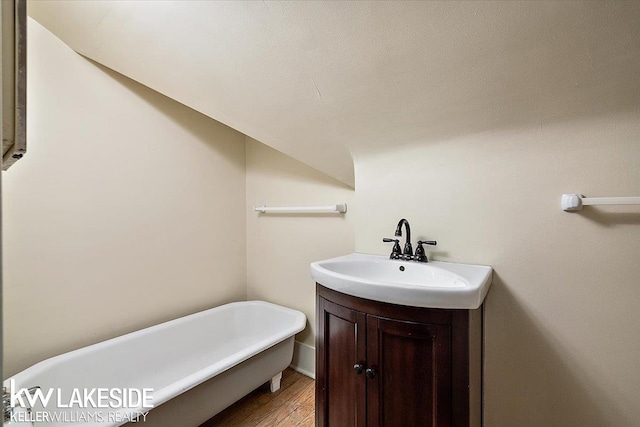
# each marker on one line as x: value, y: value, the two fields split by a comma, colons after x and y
x: 380, y: 364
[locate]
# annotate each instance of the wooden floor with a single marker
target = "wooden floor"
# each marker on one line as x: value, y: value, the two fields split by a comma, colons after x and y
x: 291, y: 406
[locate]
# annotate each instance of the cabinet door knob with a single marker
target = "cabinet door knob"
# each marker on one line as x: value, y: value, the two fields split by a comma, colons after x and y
x: 358, y: 368
x: 370, y: 373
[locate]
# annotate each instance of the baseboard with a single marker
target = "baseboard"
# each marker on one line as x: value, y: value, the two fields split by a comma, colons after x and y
x: 304, y: 359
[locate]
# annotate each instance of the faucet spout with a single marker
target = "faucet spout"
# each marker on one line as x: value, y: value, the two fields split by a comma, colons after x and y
x: 408, y: 250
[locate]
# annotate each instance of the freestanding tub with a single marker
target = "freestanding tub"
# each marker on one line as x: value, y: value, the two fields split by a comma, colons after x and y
x: 237, y: 346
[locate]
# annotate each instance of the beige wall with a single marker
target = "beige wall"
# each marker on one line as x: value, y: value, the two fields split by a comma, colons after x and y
x: 128, y: 209
x: 562, y: 318
x: 281, y: 247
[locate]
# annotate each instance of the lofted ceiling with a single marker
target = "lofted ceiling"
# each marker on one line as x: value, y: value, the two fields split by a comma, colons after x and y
x: 321, y: 81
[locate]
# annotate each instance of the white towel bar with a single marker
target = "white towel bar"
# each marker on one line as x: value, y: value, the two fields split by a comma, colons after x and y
x: 302, y: 209
x: 575, y: 202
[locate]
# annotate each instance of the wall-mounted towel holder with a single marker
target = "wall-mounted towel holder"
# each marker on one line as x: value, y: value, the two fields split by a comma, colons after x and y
x: 342, y: 208
x: 575, y: 202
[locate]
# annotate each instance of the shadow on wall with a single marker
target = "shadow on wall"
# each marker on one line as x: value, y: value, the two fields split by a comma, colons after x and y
x: 182, y: 115
x: 284, y: 170
x: 527, y: 373
x: 603, y: 216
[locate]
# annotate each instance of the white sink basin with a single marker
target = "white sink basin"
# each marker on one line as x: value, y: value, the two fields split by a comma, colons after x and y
x: 434, y: 284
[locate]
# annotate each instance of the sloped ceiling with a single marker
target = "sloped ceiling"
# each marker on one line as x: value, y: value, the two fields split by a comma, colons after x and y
x: 320, y: 81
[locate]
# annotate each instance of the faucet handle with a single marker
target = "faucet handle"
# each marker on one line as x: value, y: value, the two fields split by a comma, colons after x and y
x: 396, y: 252
x: 421, y: 255
x: 427, y: 242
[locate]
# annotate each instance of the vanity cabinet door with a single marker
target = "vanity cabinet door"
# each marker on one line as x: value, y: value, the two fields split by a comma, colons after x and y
x: 416, y: 368
x: 340, y: 385
x: 411, y: 380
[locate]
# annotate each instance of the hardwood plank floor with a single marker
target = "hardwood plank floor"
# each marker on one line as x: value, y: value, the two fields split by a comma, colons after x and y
x: 291, y: 406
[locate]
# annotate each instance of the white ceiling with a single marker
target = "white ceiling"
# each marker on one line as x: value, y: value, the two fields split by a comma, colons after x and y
x: 320, y: 81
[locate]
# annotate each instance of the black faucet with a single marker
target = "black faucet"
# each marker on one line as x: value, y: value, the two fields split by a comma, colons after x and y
x: 408, y: 250
x: 407, y: 254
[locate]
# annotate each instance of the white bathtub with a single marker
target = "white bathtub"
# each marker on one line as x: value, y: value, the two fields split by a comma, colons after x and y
x: 242, y: 345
